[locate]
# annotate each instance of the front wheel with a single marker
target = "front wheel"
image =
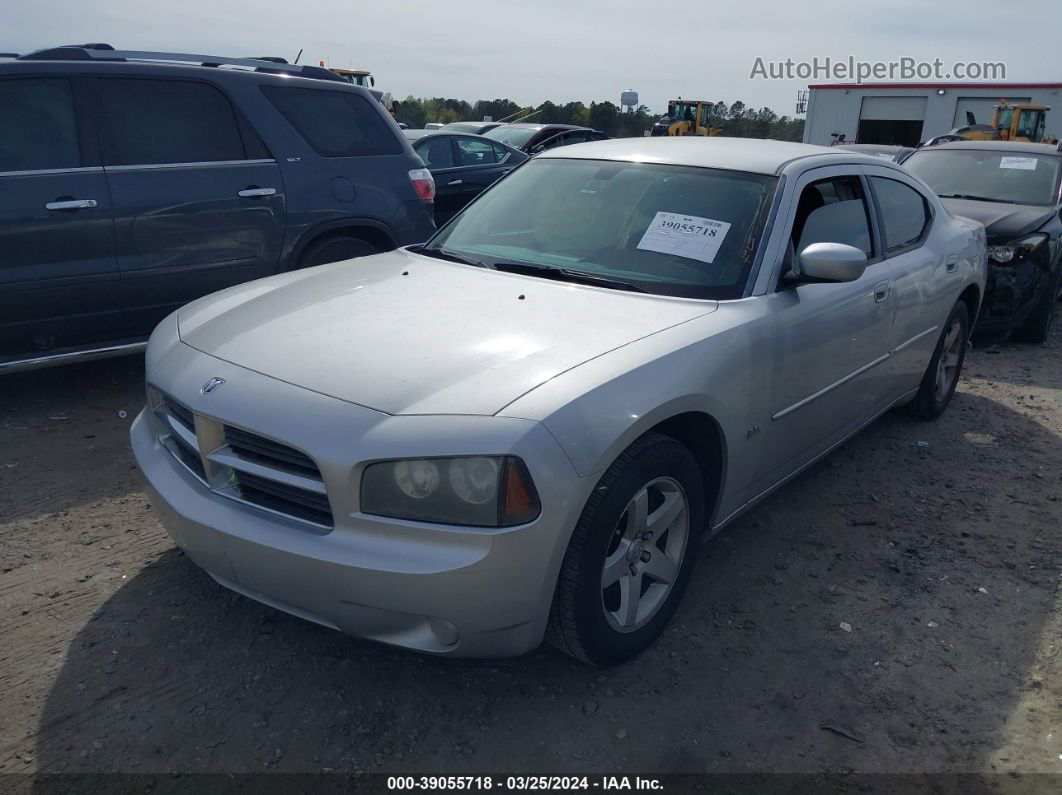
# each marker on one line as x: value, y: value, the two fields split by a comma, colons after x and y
x: 631, y: 555
x: 335, y: 249
x: 942, y: 375
x: 1037, y: 327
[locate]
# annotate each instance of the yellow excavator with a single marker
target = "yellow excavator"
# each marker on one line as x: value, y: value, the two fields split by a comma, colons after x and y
x: 687, y: 117
x: 1017, y: 121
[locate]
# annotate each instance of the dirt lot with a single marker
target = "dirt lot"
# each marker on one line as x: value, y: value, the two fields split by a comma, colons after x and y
x: 895, y: 609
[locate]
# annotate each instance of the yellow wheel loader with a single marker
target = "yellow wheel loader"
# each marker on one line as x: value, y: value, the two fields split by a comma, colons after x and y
x: 687, y: 117
x: 1010, y: 122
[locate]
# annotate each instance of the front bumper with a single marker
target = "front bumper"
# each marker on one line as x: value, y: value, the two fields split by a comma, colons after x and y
x: 468, y: 592
x: 1011, y: 293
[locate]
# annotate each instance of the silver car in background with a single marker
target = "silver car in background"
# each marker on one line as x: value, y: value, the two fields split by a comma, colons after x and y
x: 522, y: 428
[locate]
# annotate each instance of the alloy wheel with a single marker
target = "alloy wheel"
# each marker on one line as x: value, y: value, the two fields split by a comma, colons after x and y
x: 950, y: 356
x: 645, y: 554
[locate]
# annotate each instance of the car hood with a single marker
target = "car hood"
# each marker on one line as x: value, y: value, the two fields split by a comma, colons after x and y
x: 407, y: 334
x: 1002, y: 221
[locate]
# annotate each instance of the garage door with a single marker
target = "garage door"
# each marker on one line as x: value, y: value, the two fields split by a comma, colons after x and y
x: 893, y: 108
x: 981, y: 107
x: 891, y: 120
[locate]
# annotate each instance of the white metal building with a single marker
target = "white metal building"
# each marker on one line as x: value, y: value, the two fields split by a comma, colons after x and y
x: 906, y: 113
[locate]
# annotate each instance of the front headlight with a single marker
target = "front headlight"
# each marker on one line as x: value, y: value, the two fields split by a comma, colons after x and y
x: 1001, y: 254
x: 1017, y: 251
x: 480, y: 491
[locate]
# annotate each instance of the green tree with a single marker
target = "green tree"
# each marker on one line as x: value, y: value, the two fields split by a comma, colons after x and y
x: 497, y: 109
x: 604, y: 117
x: 411, y: 111
x: 736, y: 119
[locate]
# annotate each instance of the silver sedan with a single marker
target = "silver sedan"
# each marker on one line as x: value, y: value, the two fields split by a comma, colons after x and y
x: 522, y: 428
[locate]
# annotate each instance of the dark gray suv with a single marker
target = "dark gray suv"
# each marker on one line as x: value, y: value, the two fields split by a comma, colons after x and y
x: 130, y: 186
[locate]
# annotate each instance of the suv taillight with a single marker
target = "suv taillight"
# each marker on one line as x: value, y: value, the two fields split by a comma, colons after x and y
x: 423, y: 183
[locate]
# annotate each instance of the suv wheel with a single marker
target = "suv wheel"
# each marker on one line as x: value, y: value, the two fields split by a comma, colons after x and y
x: 335, y: 249
x: 631, y: 555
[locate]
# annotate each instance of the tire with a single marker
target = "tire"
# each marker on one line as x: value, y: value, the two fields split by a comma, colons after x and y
x: 1037, y: 327
x: 603, y: 625
x: 335, y: 249
x: 939, y: 382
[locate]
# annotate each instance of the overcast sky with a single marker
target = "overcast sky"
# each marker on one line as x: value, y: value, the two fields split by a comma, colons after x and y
x: 562, y: 50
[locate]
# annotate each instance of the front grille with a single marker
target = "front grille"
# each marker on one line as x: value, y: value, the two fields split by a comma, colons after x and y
x: 179, y: 412
x: 247, y: 467
x: 187, y: 455
x: 268, y: 453
x: 281, y: 497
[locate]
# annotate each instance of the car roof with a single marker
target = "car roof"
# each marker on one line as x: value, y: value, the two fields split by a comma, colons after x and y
x: 874, y: 147
x: 532, y: 126
x: 1000, y: 146
x: 173, y: 69
x: 450, y: 134
x: 754, y: 155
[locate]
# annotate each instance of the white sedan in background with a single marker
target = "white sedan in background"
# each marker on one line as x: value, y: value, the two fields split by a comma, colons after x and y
x: 522, y: 428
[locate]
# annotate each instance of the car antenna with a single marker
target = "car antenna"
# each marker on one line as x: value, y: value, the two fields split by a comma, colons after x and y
x: 297, y: 57
x: 528, y: 116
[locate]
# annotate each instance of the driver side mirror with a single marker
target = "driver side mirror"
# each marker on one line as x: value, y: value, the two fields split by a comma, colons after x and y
x: 831, y: 262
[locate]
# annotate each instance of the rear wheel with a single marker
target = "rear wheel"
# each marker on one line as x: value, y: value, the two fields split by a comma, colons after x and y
x: 335, y: 249
x: 942, y: 375
x: 631, y: 555
x: 1037, y: 327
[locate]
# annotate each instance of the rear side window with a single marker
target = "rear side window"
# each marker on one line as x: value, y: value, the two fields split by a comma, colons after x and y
x: 39, y: 129
x: 335, y: 123
x: 167, y: 121
x: 476, y: 153
x: 436, y: 153
x: 903, y: 212
x: 500, y: 152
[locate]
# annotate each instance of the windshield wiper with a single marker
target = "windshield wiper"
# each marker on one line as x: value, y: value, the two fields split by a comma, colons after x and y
x: 565, y: 275
x: 971, y: 197
x: 452, y: 256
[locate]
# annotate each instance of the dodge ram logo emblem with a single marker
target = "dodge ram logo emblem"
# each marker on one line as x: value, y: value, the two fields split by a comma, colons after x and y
x: 211, y: 385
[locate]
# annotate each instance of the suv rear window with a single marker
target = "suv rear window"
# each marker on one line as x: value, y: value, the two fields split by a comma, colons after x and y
x: 335, y: 123
x: 39, y: 129
x: 167, y: 121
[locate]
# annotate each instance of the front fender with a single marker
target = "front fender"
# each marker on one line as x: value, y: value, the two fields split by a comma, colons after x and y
x: 686, y: 369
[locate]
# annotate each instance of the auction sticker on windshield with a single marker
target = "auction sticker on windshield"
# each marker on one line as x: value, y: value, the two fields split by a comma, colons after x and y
x: 1023, y: 163
x: 684, y: 236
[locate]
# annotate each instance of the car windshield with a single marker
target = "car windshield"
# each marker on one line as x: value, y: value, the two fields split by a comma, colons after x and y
x: 514, y: 136
x: 1017, y: 177
x: 670, y: 230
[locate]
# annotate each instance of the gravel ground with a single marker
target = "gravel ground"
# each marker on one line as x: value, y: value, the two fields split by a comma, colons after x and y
x: 894, y: 609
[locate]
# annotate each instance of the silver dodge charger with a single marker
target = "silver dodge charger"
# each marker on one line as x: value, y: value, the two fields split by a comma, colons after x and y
x: 523, y: 427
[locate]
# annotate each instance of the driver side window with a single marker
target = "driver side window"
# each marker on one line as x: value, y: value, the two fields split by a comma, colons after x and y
x: 832, y: 211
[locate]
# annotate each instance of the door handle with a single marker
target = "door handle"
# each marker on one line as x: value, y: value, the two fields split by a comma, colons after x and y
x: 456, y: 182
x: 881, y: 291
x: 71, y: 204
x: 952, y: 263
x: 250, y: 193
